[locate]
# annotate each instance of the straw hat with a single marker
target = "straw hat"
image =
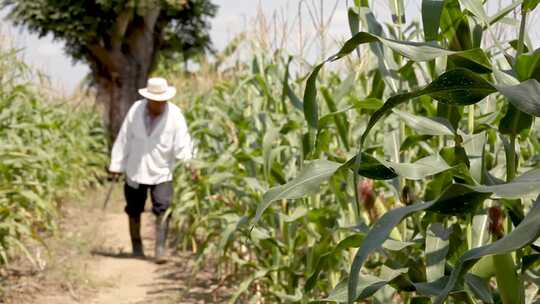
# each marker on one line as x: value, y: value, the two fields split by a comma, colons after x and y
x: 157, y: 89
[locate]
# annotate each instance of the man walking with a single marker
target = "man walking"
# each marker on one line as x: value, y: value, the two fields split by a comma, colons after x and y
x: 152, y: 138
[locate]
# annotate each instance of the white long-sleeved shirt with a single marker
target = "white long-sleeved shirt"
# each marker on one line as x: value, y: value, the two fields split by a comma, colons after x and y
x: 150, y: 159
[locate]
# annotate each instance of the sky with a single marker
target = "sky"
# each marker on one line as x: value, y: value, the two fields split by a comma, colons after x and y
x: 233, y: 17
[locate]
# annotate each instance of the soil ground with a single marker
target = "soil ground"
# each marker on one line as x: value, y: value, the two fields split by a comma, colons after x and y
x: 88, y: 262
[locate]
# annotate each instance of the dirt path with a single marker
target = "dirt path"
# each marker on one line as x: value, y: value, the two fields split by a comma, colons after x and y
x: 133, y: 279
x: 90, y: 263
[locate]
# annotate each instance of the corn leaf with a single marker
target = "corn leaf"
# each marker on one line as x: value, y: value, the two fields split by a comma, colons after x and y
x: 524, y: 234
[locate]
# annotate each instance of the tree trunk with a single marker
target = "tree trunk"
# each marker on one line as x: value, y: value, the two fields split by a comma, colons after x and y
x: 121, y: 66
x: 118, y: 92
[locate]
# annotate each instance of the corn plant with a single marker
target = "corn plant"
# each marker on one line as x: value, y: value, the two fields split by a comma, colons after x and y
x: 247, y: 125
x: 464, y: 213
x: 48, y: 151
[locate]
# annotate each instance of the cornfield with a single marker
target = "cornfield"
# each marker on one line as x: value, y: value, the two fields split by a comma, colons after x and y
x: 411, y: 178
x: 48, y: 150
x: 409, y: 175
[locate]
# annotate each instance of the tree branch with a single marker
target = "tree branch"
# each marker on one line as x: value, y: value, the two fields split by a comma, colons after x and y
x: 151, y: 18
x: 102, y: 56
x: 142, y: 37
x: 121, y: 25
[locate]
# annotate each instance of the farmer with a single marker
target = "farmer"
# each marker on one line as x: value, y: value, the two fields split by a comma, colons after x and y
x: 152, y: 138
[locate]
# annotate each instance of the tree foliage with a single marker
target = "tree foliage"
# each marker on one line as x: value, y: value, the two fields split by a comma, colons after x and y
x: 119, y: 39
x: 182, y: 25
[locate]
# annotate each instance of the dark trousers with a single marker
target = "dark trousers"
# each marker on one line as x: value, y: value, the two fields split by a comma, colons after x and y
x: 161, y: 195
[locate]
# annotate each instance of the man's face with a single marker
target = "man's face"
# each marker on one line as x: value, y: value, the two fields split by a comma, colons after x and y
x: 156, y: 107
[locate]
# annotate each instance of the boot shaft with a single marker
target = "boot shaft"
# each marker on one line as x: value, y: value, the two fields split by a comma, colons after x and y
x: 162, y: 227
x: 135, y: 235
x: 135, y: 228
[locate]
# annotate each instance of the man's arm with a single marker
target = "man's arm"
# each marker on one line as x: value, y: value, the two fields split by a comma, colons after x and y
x: 119, y: 151
x: 183, y: 146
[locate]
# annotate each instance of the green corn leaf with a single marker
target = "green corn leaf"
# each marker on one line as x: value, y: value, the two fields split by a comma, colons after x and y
x: 326, y: 120
x: 244, y: 285
x: 371, y: 167
x: 298, y: 213
x: 374, y: 239
x: 311, y: 111
x: 416, y: 51
x: 384, y: 61
x: 431, y: 18
x: 455, y: 199
x: 476, y: 7
x: 480, y: 287
x: 307, y: 182
x: 227, y: 234
x: 528, y: 66
x: 340, y: 120
x: 456, y: 87
x: 318, y: 171
x: 391, y: 145
x: 525, y: 184
x: 514, y: 121
x: 474, y: 147
x: 413, y: 50
x: 477, y: 285
x: 370, y: 103
x: 451, y: 113
x: 426, y: 125
x: 508, y: 282
x: 391, y: 103
x: 524, y: 96
x: 463, y: 87
x: 268, y: 145
x: 437, y: 245
x: 394, y: 245
x: 514, y: 45
x: 432, y: 288
x: 263, y: 87
x: 367, y: 104
x: 354, y: 21
x: 530, y: 5
x: 459, y: 87
x: 413, y: 140
x: 369, y: 20
x: 459, y: 199
x: 420, y: 169
x: 352, y: 241
x: 288, y: 92
x: 524, y: 234
x: 367, y: 285
x: 345, y: 87
x: 472, y: 59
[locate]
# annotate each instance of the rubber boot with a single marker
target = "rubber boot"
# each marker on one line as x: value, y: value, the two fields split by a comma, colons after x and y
x: 162, y: 226
x: 135, y: 234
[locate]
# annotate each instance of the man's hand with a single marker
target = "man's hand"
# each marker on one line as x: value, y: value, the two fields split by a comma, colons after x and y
x: 114, y: 176
x: 194, y: 173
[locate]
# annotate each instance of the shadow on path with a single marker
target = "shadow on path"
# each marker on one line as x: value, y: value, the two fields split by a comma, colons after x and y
x: 180, y: 276
x: 118, y: 255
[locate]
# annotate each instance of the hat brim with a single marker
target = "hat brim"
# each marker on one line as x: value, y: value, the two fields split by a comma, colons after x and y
x: 168, y: 94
